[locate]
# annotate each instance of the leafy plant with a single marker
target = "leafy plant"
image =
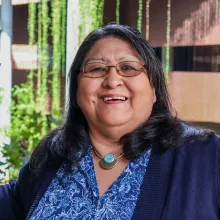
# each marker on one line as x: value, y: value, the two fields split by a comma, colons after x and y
x: 91, y: 16
x: 140, y: 9
x: 25, y: 130
x: 117, y: 12
x: 32, y: 115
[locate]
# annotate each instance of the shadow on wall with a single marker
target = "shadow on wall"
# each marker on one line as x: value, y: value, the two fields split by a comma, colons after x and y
x: 194, y: 22
x: 197, y: 27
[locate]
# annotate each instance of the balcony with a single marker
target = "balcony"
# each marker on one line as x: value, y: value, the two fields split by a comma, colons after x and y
x: 24, y: 57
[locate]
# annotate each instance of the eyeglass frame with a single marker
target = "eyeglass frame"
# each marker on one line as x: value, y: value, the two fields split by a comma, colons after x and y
x: 108, y: 68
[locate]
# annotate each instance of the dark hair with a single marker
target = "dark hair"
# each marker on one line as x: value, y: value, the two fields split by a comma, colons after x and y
x: 163, y: 130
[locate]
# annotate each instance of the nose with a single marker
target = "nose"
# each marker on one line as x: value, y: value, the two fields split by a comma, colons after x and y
x: 112, y: 79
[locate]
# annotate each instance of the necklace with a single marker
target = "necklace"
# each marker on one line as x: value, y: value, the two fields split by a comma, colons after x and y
x: 108, y: 161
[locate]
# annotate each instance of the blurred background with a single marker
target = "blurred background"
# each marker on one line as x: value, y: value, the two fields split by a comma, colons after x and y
x: 38, y: 42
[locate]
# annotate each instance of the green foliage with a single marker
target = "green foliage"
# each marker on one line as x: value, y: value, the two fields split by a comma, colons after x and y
x: 117, y: 13
x: 56, y: 60
x: 39, y: 45
x: 26, y: 120
x: 32, y: 23
x: 140, y: 14
x: 44, y: 65
x: 100, y: 13
x: 84, y: 12
x: 25, y: 130
x: 96, y: 13
x: 63, y: 34
x: 91, y: 17
x: 32, y: 114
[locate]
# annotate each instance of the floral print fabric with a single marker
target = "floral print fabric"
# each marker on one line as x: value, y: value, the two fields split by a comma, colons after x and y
x: 74, y: 193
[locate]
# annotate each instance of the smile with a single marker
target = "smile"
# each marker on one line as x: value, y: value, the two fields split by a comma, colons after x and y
x: 114, y: 98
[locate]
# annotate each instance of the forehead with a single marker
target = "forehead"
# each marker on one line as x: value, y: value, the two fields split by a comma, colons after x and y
x: 109, y: 47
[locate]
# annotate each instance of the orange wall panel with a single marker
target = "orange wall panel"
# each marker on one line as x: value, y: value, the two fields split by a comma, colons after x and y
x: 196, y: 96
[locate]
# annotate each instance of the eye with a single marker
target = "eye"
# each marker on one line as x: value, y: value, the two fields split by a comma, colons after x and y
x: 127, y: 68
x: 95, y: 68
x: 98, y: 69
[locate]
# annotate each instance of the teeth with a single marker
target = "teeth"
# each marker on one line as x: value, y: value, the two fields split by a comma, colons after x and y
x: 117, y: 97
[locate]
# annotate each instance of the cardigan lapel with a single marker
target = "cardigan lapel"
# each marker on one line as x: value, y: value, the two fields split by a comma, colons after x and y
x: 154, y: 190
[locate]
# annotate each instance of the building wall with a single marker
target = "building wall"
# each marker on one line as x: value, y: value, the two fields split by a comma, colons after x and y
x: 193, y: 22
x: 20, y: 38
x: 20, y: 17
x: 194, y: 95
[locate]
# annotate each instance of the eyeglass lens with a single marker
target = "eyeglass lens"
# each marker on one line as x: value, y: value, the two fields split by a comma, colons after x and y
x: 98, y: 69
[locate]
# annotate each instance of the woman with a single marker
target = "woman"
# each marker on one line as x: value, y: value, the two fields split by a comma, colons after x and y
x: 121, y: 153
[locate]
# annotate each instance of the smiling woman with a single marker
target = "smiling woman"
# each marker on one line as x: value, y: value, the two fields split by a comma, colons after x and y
x: 121, y: 153
x: 122, y: 98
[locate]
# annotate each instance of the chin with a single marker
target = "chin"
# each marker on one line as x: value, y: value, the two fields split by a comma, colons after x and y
x: 114, y: 121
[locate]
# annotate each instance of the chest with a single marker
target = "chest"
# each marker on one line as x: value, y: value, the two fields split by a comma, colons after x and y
x: 106, y: 177
x: 76, y: 194
x: 175, y: 188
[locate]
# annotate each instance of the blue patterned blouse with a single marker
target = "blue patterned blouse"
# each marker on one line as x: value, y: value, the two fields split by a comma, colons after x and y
x: 74, y: 193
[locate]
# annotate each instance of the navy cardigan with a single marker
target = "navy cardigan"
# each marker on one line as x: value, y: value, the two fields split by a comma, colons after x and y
x: 180, y: 184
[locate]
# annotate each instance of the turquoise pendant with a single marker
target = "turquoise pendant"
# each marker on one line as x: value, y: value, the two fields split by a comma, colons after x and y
x: 108, y: 162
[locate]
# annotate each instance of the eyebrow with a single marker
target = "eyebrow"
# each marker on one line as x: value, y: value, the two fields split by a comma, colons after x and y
x: 94, y: 59
x: 129, y: 56
x: 120, y: 59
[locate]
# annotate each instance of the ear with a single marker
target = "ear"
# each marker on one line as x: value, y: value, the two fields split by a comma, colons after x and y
x: 154, y: 96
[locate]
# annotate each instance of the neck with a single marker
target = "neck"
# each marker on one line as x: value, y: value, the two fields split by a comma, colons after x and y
x: 104, y: 144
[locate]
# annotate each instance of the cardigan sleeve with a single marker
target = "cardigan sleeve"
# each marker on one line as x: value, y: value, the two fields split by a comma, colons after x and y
x: 11, y: 201
x: 16, y: 198
x: 218, y: 171
x: 10, y: 204
x: 6, y: 200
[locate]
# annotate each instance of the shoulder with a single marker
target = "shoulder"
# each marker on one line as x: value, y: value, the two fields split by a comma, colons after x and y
x: 201, y: 147
x: 198, y: 161
x: 203, y: 143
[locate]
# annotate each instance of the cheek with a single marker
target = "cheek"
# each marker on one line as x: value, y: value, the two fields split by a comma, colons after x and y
x: 141, y: 90
x: 87, y: 90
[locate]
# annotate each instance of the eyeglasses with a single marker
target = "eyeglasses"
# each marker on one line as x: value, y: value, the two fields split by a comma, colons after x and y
x: 125, y: 68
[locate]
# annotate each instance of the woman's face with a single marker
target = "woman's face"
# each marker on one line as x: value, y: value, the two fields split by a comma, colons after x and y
x: 94, y: 94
